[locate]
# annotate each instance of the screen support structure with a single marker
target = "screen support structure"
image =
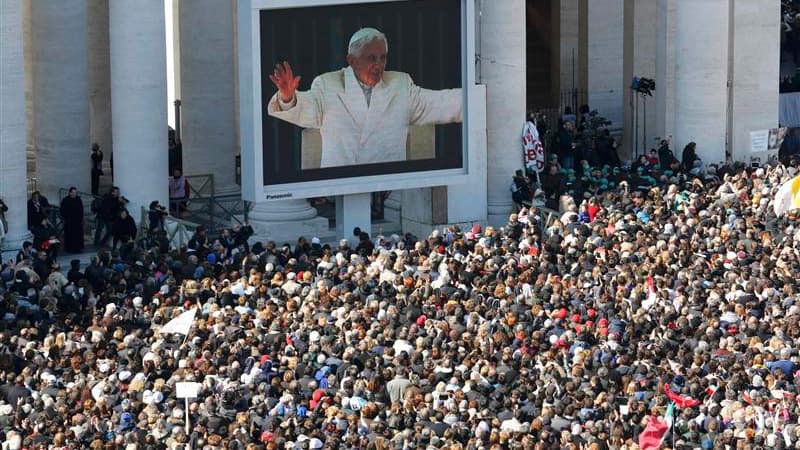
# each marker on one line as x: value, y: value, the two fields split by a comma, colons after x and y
x: 353, y: 210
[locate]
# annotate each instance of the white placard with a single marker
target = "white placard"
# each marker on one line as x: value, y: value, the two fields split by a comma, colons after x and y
x: 186, y: 389
x: 759, y: 140
x: 767, y: 140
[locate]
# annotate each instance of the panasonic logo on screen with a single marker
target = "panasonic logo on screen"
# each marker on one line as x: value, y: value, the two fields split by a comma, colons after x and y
x: 278, y: 196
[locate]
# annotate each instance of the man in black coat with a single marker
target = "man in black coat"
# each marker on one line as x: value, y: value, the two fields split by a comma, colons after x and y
x: 72, y: 214
x: 97, y: 167
x: 15, y: 392
x: 199, y: 242
x: 124, y: 228
x: 38, y: 207
x: 107, y: 213
x: 94, y: 273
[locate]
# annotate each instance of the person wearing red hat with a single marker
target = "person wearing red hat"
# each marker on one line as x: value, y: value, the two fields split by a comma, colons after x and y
x: 316, y: 397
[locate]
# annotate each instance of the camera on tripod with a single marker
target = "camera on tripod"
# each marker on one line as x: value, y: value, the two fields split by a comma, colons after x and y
x: 644, y: 86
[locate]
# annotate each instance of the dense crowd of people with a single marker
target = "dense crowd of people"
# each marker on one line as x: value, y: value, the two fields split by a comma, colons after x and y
x: 540, y: 334
x: 598, y: 169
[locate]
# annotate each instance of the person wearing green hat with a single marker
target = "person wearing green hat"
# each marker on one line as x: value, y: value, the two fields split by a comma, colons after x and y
x: 584, y: 167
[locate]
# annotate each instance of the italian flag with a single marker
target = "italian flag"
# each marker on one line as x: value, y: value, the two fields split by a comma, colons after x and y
x: 653, y: 435
x: 680, y: 400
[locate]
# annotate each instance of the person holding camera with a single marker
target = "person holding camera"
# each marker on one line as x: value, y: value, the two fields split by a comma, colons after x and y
x: 521, y: 193
x: 155, y: 217
x: 45, y: 238
x: 97, y: 167
x: 107, y: 212
x: 124, y: 228
x: 38, y: 209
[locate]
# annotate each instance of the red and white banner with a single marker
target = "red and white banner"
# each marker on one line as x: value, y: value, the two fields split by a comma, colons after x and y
x: 532, y: 149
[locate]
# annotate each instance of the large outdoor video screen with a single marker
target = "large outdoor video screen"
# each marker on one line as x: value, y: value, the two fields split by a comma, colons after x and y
x: 360, y: 89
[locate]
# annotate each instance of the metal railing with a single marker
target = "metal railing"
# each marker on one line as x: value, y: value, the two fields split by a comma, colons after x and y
x: 547, y: 215
x: 568, y: 98
x: 178, y: 231
x: 203, y: 206
x: 573, y: 99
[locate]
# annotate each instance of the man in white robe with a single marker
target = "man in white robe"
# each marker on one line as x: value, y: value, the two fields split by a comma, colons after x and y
x: 363, y: 111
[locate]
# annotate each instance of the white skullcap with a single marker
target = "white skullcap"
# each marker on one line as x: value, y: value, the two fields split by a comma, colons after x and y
x: 363, y: 37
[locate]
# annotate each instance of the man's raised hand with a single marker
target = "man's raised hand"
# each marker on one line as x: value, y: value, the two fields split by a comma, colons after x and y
x: 283, y: 78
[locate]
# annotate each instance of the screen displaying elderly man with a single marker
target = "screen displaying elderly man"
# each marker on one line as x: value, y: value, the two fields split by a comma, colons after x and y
x: 363, y: 111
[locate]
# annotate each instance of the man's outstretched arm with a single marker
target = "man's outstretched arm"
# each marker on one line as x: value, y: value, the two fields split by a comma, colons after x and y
x: 303, y: 109
x: 434, y: 107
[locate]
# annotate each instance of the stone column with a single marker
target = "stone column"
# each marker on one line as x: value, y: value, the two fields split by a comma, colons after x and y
x: 691, y: 79
x: 605, y: 51
x: 13, y: 125
x: 701, y: 76
x: 503, y: 72
x: 583, y: 43
x: 100, y: 82
x: 286, y: 220
x: 755, y: 74
x: 139, y: 101
x: 27, y: 50
x: 665, y: 69
x: 61, y: 94
x: 569, y: 39
x: 171, y: 11
x: 208, y: 124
